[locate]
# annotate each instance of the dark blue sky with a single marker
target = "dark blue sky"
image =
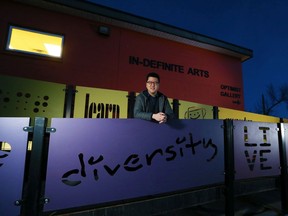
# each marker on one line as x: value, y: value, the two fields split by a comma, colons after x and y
x: 259, y: 25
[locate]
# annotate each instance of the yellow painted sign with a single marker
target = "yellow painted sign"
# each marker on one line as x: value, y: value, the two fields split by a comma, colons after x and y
x: 190, y: 110
x: 225, y: 113
x: 100, y: 103
x: 31, y: 98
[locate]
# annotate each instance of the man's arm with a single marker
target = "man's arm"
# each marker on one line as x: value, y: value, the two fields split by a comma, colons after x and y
x: 139, y: 109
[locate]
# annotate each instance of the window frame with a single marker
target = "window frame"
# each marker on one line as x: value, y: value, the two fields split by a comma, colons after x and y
x: 28, y: 53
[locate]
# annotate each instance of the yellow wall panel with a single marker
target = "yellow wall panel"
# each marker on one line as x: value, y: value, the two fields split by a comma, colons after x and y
x: 31, y: 98
x: 225, y: 113
x: 190, y: 110
x: 100, y: 103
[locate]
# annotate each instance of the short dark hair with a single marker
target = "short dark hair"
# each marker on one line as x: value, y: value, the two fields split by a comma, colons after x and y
x: 153, y: 74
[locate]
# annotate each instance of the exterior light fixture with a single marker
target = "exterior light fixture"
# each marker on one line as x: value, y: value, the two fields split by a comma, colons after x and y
x: 104, y: 30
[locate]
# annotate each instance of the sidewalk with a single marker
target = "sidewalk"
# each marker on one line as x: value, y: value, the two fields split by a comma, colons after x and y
x: 260, y: 204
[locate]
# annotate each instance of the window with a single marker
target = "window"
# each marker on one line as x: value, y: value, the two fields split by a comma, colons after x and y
x: 34, y: 42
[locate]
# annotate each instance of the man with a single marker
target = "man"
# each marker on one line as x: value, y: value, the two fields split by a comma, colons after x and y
x: 151, y: 104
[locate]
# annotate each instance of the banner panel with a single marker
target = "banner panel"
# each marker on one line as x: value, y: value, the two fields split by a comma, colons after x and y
x: 31, y: 98
x: 256, y: 149
x: 100, y: 103
x: 285, y: 125
x: 93, y: 161
x: 225, y: 113
x: 13, y: 148
x: 190, y: 110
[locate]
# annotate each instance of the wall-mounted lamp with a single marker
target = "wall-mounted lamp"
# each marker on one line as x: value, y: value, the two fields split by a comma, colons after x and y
x: 104, y: 30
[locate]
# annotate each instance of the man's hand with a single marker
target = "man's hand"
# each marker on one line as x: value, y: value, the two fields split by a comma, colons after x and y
x: 160, y: 117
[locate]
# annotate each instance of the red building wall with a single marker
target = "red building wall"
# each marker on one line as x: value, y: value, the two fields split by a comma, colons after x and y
x: 93, y: 60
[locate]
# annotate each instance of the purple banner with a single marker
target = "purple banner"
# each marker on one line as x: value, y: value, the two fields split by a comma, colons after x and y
x: 285, y: 127
x: 256, y: 149
x: 13, y: 148
x: 93, y: 161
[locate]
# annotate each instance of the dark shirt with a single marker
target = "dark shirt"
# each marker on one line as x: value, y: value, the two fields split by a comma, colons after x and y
x: 153, y: 103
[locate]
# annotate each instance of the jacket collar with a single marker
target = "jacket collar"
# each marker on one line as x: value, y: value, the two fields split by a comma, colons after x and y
x: 145, y: 92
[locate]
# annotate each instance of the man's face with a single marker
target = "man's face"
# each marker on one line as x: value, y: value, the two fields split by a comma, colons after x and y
x: 152, y: 85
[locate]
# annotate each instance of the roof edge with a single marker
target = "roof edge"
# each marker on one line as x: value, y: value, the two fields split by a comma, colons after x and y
x: 127, y: 20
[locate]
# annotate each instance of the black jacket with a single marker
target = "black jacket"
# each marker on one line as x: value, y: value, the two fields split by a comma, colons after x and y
x: 141, y: 106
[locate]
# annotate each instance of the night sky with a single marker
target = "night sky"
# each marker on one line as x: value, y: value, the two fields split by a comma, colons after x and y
x: 259, y: 25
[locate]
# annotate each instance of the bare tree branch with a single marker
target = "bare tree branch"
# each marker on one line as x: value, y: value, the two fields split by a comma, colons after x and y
x: 272, y: 99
